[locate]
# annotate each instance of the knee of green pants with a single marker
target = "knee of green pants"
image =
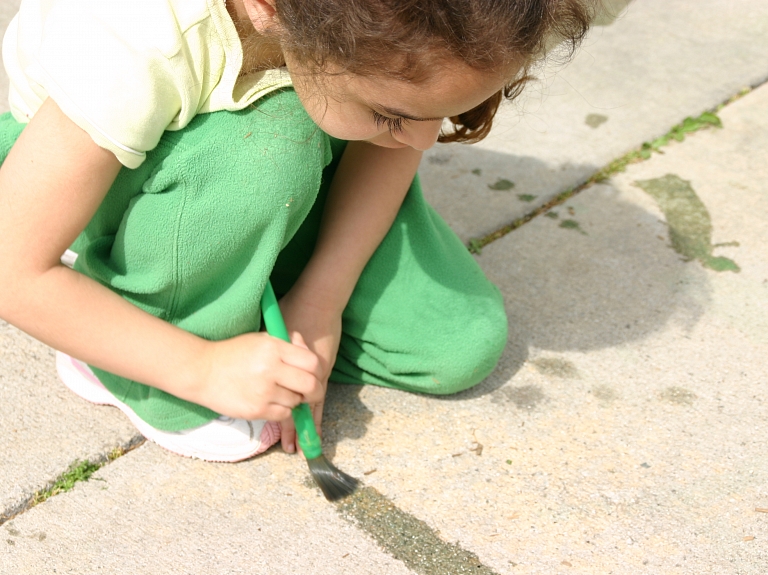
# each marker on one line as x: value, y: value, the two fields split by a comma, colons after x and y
x: 463, y: 348
x: 451, y: 355
x: 475, y: 357
x: 423, y: 316
x: 470, y: 355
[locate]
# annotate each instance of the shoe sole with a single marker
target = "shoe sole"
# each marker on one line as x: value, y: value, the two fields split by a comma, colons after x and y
x: 78, y: 377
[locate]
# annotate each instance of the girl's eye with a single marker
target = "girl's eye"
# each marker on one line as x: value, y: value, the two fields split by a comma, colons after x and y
x: 395, y: 125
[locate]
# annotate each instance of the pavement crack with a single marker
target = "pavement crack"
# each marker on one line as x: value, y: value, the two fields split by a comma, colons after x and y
x: 641, y: 154
x: 77, y: 471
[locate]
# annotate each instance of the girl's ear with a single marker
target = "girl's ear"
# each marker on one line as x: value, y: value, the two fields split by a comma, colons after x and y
x: 261, y: 13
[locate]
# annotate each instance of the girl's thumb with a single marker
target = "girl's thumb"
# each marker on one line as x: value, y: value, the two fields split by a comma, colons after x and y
x: 297, y: 339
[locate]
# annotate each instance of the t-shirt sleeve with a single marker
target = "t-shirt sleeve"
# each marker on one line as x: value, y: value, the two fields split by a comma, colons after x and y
x: 106, y: 65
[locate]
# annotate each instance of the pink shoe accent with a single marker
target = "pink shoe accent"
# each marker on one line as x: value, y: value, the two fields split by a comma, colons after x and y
x: 86, y: 373
x: 269, y: 436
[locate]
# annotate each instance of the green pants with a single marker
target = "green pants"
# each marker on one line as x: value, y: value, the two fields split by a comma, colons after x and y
x: 193, y: 234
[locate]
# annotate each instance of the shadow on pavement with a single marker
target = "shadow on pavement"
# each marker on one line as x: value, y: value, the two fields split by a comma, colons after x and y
x: 608, y: 279
x: 599, y: 275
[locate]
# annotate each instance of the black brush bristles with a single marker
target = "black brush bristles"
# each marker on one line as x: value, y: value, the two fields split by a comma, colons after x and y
x: 334, y: 483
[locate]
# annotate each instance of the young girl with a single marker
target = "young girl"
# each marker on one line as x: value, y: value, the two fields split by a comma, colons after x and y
x: 173, y: 145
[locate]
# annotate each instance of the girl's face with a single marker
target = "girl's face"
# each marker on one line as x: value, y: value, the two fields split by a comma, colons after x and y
x: 380, y: 110
x: 392, y: 113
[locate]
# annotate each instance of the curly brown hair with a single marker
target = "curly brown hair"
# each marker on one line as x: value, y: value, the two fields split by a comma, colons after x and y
x: 404, y: 39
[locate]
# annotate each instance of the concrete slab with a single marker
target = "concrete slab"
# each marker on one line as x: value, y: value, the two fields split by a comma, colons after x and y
x: 631, y: 81
x: 154, y: 512
x: 45, y: 427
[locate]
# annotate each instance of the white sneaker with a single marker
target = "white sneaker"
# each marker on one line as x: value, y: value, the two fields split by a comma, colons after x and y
x: 223, y: 439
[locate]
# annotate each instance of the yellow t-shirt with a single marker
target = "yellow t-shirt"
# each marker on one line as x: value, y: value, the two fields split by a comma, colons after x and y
x: 127, y: 70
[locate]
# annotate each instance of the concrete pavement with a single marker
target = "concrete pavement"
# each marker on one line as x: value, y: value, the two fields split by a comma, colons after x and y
x: 623, y: 431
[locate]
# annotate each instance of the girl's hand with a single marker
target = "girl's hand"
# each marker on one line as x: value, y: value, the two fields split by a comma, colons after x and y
x: 318, y: 329
x: 257, y: 376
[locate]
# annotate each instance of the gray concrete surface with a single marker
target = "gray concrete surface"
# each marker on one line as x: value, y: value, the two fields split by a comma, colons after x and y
x: 639, y: 381
x: 153, y: 512
x: 44, y: 428
x: 623, y: 431
x: 659, y: 62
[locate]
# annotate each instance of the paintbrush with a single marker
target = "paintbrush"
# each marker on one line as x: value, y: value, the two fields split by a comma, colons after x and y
x: 334, y: 483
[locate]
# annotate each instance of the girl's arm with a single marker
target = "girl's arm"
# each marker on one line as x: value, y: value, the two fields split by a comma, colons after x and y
x: 51, y: 184
x: 367, y: 191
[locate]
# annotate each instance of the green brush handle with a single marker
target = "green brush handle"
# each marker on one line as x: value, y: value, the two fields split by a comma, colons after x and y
x: 302, y: 415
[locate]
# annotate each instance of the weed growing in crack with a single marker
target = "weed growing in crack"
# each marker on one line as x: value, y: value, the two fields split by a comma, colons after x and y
x: 78, y: 471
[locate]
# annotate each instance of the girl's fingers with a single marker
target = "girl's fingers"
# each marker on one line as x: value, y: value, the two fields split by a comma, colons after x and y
x: 297, y: 355
x: 298, y: 381
x: 276, y: 412
x: 288, y: 435
x: 298, y: 339
x: 285, y: 397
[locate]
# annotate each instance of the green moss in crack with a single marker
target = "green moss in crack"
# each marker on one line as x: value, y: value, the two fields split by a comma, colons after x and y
x: 78, y: 471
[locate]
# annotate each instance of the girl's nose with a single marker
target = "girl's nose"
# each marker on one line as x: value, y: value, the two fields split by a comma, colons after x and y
x: 420, y: 135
